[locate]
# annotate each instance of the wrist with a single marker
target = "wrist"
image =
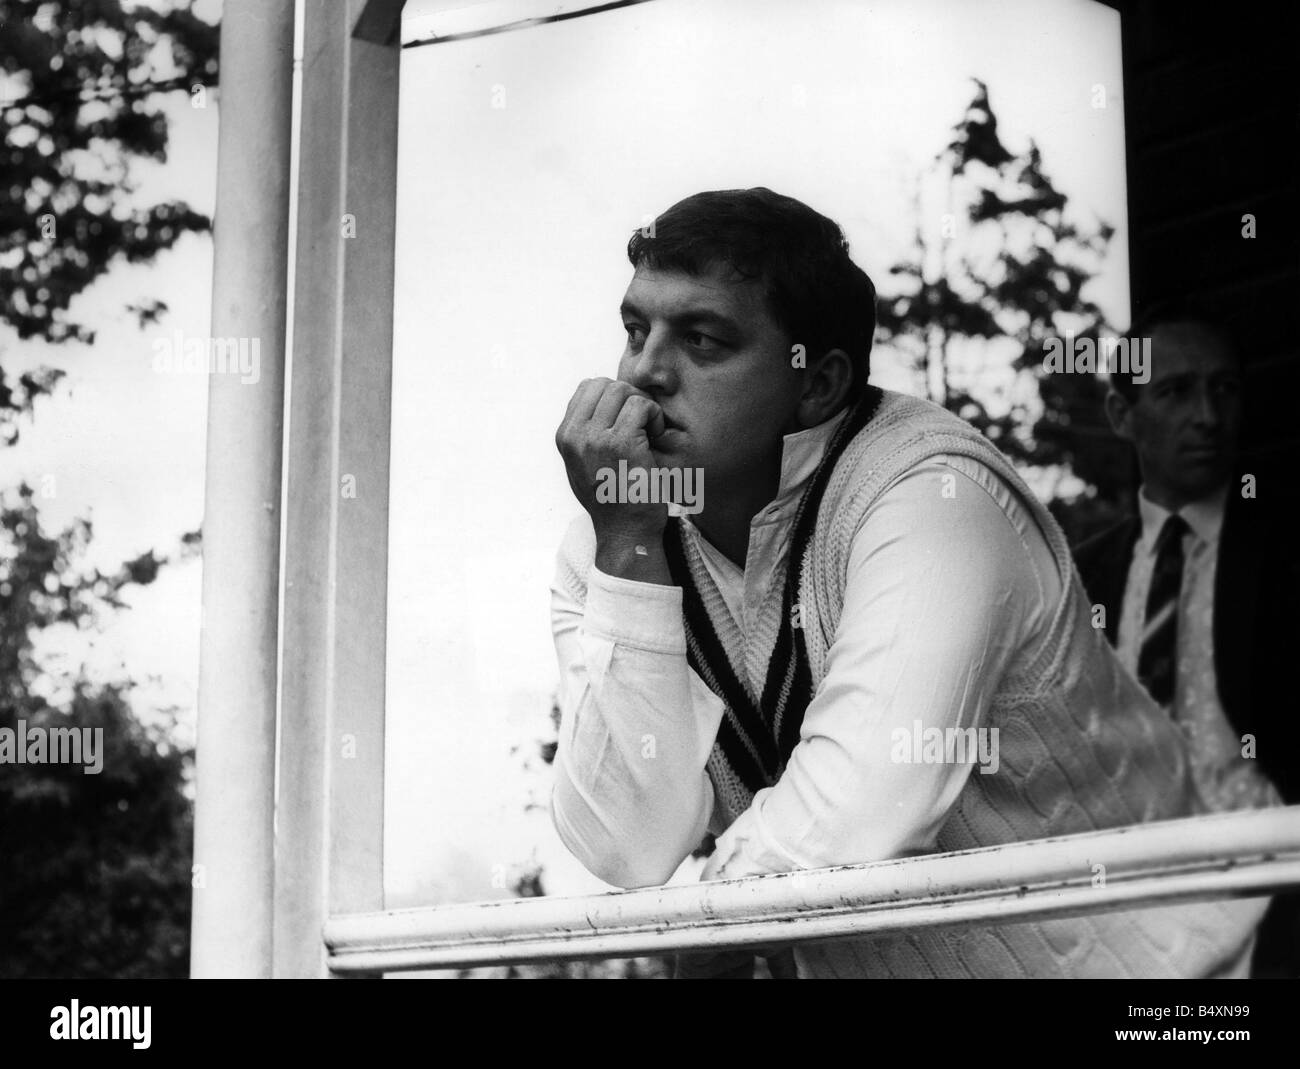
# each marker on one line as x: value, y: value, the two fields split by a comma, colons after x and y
x: 638, y: 557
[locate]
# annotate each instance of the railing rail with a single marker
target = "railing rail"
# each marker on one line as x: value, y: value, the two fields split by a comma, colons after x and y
x: 1239, y: 854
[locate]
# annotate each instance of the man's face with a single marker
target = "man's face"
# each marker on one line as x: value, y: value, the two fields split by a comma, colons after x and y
x: 708, y: 350
x: 1186, y: 418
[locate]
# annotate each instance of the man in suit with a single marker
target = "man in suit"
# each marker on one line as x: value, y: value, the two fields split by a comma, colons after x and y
x: 1200, y: 589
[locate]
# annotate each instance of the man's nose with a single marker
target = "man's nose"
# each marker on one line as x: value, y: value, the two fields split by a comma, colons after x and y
x: 1209, y: 407
x: 652, y: 369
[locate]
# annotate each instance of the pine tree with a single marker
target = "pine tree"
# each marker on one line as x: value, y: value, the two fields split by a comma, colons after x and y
x: 997, y: 265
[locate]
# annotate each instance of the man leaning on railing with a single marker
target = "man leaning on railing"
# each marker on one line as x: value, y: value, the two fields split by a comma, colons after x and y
x: 864, y: 640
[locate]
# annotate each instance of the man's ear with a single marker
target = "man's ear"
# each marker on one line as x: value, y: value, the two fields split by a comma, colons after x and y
x: 827, y: 384
x: 1119, y: 411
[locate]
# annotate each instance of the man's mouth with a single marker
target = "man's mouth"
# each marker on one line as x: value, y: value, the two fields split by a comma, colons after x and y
x: 671, y: 431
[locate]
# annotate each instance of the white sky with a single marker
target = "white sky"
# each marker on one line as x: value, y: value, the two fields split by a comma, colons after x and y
x: 512, y: 225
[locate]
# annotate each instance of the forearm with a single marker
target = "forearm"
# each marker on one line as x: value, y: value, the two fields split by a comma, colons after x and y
x: 631, y: 797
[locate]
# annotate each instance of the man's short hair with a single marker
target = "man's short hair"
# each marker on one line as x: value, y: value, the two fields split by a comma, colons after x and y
x: 820, y: 296
x: 1172, y: 313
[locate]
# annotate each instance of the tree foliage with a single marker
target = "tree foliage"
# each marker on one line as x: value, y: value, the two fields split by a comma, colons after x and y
x: 80, y: 105
x: 997, y: 266
x: 94, y: 868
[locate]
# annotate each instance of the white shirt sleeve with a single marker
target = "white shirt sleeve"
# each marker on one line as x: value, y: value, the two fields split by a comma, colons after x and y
x: 632, y: 798
x: 942, y: 588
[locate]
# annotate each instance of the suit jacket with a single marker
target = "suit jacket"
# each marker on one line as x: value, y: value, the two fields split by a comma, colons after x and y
x: 1256, y: 624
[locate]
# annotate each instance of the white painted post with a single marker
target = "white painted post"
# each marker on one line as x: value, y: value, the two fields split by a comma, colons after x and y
x: 329, y: 845
x: 233, y: 859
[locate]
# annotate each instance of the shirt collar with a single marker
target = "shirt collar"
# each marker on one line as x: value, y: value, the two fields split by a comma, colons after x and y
x: 801, y: 452
x: 1204, y: 517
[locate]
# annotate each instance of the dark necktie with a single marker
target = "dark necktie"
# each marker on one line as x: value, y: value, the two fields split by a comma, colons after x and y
x: 1159, y: 654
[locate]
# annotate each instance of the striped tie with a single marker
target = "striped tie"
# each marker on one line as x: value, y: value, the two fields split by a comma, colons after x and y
x: 1160, y: 635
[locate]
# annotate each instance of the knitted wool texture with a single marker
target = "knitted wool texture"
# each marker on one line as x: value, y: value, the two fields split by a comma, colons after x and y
x: 1082, y: 746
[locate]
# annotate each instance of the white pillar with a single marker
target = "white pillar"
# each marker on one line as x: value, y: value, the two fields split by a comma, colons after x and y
x: 330, y: 820
x: 233, y: 824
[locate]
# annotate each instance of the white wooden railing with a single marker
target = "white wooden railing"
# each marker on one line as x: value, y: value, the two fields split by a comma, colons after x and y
x: 1225, y: 855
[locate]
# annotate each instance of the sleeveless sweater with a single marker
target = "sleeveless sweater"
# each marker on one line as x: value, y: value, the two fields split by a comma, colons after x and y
x: 1082, y: 746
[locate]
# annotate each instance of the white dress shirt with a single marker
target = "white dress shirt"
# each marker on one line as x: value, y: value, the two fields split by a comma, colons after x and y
x: 948, y: 577
x: 1225, y: 778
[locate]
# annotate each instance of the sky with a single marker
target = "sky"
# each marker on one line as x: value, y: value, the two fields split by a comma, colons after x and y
x: 525, y: 161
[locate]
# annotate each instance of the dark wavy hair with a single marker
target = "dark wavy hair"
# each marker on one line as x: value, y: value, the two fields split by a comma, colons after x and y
x: 816, y: 293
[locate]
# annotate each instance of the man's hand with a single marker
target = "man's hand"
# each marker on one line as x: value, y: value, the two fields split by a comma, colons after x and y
x: 608, y: 421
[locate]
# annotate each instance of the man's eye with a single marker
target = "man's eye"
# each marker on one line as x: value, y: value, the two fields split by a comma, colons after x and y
x: 701, y: 341
x: 635, y: 334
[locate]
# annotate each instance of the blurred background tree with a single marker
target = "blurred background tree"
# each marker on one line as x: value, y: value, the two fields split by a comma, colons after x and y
x: 94, y: 869
x: 80, y: 104
x: 996, y: 267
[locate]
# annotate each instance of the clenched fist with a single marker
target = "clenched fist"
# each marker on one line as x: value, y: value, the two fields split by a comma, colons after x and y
x: 608, y: 421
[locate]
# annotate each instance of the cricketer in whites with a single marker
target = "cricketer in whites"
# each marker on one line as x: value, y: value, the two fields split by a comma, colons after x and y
x: 864, y: 563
